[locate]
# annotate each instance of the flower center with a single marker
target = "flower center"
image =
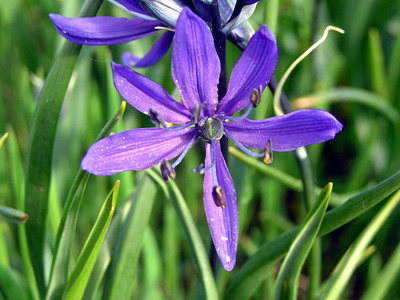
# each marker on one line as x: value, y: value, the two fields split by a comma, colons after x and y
x: 212, y: 129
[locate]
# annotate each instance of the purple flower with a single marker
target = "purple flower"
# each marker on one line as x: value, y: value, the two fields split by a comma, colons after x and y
x: 195, y: 70
x: 112, y: 31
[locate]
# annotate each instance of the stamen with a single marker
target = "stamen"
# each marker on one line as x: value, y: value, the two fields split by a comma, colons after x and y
x: 255, y: 97
x: 177, y: 128
x: 241, y: 146
x: 268, y: 158
x: 202, y: 169
x: 219, y: 197
x: 156, y: 118
x: 167, y: 171
x: 197, y: 112
x: 185, y: 151
x: 242, y: 117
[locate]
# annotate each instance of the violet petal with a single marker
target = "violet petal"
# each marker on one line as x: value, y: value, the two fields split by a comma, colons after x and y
x: 195, y: 63
x: 153, y: 56
x: 135, y: 149
x: 253, y: 70
x: 132, y: 6
x: 288, y: 132
x: 103, y: 30
x: 222, y: 222
x: 145, y: 94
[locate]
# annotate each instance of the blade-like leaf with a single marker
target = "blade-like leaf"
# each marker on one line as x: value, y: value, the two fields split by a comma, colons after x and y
x: 81, y: 273
x: 287, y: 281
x: 11, y: 284
x: 192, y: 235
x: 337, y: 282
x: 386, y: 277
x: 13, y: 215
x: 66, y: 229
x: 126, y: 252
x: 3, y: 139
x: 248, y: 278
x: 40, y: 148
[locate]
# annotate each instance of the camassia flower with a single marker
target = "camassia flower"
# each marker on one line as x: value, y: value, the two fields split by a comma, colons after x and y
x: 196, y: 70
x: 151, y: 16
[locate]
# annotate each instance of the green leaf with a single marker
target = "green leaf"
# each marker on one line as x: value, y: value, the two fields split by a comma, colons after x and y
x: 66, y: 229
x: 352, y: 95
x: 12, y: 284
x: 13, y: 215
x: 125, y: 253
x: 288, y: 277
x: 335, y: 285
x: 246, y: 281
x: 3, y: 139
x: 80, y: 275
x: 40, y: 148
x: 385, y: 278
x: 192, y: 235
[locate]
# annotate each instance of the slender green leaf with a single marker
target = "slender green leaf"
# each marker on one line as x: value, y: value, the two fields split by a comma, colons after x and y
x: 248, y: 278
x: 288, y: 277
x: 40, y: 148
x: 385, y: 278
x: 81, y: 273
x: 337, y: 282
x: 11, y: 284
x: 13, y: 215
x: 286, y: 179
x: 352, y: 95
x: 192, y: 235
x: 129, y: 242
x: 3, y: 139
x: 377, y: 64
x: 66, y: 229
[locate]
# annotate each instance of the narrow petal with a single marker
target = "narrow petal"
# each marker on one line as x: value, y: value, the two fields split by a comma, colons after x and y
x: 145, y: 94
x: 136, y: 149
x: 223, y: 222
x: 287, y: 132
x: 103, y: 30
x: 253, y: 70
x: 153, y: 56
x: 195, y: 63
x: 132, y: 6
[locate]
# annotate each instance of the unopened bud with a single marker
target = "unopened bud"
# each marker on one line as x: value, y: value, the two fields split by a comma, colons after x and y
x: 167, y: 171
x: 268, y: 157
x: 219, y: 197
x: 156, y: 118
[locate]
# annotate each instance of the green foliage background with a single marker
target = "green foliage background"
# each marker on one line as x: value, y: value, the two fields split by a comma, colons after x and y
x: 157, y: 245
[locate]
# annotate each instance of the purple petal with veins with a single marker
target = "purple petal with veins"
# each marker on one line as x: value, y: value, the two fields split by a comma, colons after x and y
x: 136, y: 149
x: 288, y: 132
x: 103, y: 30
x: 223, y: 222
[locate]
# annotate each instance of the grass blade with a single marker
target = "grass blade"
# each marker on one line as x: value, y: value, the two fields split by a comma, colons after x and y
x: 287, y: 281
x: 81, y: 273
x: 387, y: 276
x: 193, y: 237
x: 41, y: 141
x: 337, y: 282
x: 126, y: 252
x: 66, y: 229
x: 247, y: 279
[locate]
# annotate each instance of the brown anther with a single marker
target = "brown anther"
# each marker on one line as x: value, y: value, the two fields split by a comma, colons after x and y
x: 268, y: 157
x: 219, y: 197
x: 167, y: 171
x: 255, y: 97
